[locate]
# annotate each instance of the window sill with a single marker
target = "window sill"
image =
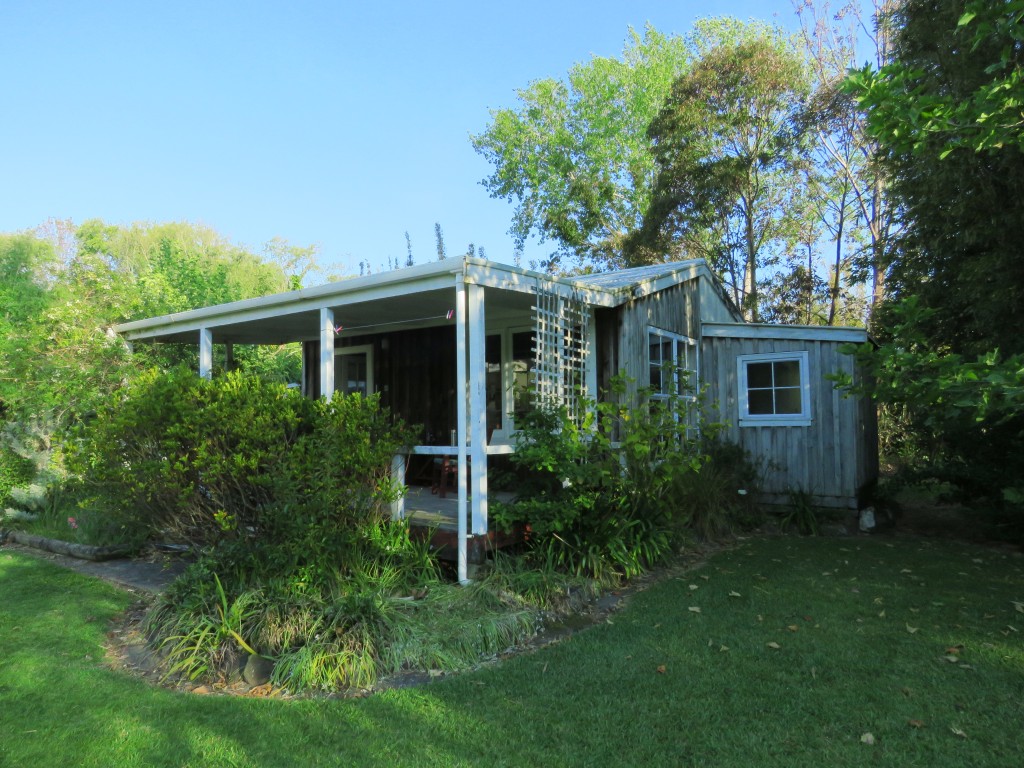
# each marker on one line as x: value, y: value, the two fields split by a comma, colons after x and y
x: 775, y: 422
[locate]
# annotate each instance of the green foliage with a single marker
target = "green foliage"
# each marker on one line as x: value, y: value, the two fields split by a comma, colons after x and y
x: 949, y: 370
x: 60, y: 359
x: 727, y: 145
x: 232, y: 458
x: 15, y: 470
x: 178, y: 449
x: 979, y: 109
x: 723, y: 497
x: 381, y: 612
x: 956, y: 168
x: 963, y: 417
x: 290, y: 497
x: 606, y: 496
x: 573, y: 155
x: 800, y: 515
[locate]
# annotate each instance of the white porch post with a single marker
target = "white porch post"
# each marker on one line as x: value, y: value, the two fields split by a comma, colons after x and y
x: 206, y: 353
x: 398, y: 476
x: 590, y: 364
x: 478, y: 408
x: 461, y: 394
x: 327, y: 353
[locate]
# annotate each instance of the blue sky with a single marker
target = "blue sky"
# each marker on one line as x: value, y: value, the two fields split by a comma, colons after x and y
x: 338, y: 124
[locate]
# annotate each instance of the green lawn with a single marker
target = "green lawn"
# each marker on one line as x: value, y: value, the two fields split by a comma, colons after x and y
x: 919, y: 643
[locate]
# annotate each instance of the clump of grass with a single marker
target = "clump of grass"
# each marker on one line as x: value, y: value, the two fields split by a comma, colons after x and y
x: 800, y: 514
x: 381, y: 616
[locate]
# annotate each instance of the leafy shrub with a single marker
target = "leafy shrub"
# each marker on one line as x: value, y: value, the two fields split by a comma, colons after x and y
x: 192, y: 457
x: 722, y: 497
x: 598, y: 494
x: 237, y: 458
x: 14, y: 471
x: 947, y: 417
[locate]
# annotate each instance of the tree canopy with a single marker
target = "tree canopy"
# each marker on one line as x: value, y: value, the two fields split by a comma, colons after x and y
x: 943, y: 110
x: 728, y: 149
x: 62, y: 291
x: 572, y: 155
x: 718, y: 144
x: 947, y: 114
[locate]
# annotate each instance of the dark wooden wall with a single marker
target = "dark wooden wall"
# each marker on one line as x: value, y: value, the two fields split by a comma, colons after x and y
x: 414, y: 372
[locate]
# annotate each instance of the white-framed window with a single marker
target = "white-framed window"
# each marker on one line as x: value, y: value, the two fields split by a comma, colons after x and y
x: 353, y: 369
x: 774, y: 389
x: 671, y: 365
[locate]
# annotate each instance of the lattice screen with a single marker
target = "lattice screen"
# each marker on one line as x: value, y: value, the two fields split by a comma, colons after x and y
x: 561, y: 348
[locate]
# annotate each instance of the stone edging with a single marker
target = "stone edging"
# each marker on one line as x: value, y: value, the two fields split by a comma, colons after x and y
x: 81, y: 551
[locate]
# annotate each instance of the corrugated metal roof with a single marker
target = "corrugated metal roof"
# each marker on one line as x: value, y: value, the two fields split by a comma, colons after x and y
x: 623, y: 278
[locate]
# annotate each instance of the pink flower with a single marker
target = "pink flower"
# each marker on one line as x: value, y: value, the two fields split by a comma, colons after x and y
x: 72, y: 522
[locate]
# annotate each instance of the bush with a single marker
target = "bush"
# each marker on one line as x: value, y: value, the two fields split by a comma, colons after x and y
x: 193, y: 458
x: 14, y: 471
x: 612, y: 494
x: 949, y: 418
x: 723, y: 496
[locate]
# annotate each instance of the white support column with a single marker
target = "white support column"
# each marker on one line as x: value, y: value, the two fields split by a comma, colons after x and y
x: 478, y: 408
x: 206, y: 353
x: 398, y: 477
x: 326, y: 353
x: 590, y: 365
x: 461, y: 395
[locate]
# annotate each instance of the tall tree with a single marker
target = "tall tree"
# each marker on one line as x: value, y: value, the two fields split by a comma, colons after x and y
x: 573, y: 156
x: 439, y: 238
x: 727, y: 146
x: 947, y: 112
x: 299, y: 263
x: 58, y: 354
x: 855, y: 206
x: 408, y: 250
x: 944, y: 110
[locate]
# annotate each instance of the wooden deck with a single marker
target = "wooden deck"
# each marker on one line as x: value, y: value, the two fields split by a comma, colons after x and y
x: 430, y: 515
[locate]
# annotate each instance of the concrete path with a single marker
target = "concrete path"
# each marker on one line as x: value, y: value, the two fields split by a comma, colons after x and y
x: 152, y: 573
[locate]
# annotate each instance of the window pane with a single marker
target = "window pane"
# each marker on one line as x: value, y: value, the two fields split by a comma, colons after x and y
x: 759, y: 402
x: 787, y: 373
x: 759, y: 375
x: 494, y: 404
x: 654, y: 350
x: 655, y: 377
x: 522, y: 367
x: 787, y: 400
x: 660, y: 354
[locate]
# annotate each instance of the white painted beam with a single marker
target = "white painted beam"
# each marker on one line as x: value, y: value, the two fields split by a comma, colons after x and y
x: 398, y: 477
x: 477, y: 380
x: 590, y: 364
x: 461, y: 395
x: 326, y: 353
x: 206, y: 353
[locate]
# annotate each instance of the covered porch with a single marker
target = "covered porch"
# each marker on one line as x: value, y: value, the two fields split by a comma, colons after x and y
x: 457, y: 348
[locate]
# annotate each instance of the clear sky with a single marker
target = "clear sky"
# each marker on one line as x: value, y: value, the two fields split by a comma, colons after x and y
x: 339, y: 124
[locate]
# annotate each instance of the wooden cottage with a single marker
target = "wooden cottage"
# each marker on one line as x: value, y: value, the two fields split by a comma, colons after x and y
x: 455, y: 345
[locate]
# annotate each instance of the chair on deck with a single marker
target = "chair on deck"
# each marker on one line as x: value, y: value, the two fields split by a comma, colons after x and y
x: 447, y: 467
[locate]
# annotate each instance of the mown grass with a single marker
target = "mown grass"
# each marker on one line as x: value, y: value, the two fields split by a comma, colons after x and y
x: 863, y: 629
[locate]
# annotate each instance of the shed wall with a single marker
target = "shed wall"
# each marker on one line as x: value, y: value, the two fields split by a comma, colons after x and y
x: 832, y: 458
x: 622, y: 333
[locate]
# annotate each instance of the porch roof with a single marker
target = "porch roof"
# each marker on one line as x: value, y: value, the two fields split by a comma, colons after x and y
x: 409, y: 297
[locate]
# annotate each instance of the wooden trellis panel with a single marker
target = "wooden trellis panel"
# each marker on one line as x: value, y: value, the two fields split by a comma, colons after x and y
x: 561, y: 350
